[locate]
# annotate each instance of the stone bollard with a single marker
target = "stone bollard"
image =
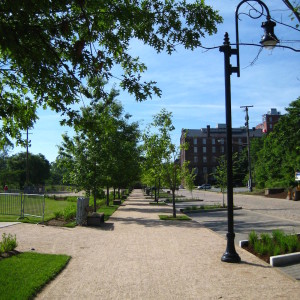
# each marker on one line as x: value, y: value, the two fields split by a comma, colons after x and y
x: 82, y: 211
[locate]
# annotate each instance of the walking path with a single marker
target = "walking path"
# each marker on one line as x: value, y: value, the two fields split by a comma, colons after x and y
x: 137, y: 256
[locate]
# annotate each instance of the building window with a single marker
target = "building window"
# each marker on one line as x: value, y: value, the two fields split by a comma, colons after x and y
x: 271, y: 126
x: 195, y: 150
x: 204, y: 141
x: 213, y: 141
x: 213, y: 149
x: 204, y: 149
x: 240, y: 141
x: 196, y: 170
x: 240, y: 148
x: 214, y: 170
x: 222, y: 141
x: 222, y: 149
x: 204, y: 159
x: 195, y: 141
x: 270, y: 119
x: 195, y: 159
x: 214, y: 159
x: 204, y: 170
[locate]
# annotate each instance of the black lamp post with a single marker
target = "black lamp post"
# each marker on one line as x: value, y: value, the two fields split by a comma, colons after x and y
x: 269, y: 40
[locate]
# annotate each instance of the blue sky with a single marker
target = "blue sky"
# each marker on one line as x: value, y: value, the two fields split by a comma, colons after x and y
x: 192, y: 82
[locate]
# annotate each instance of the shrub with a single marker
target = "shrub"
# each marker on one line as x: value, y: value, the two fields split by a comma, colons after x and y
x: 8, y: 243
x: 292, y: 243
x: 279, y: 243
x: 58, y: 214
x: 253, y: 238
x: 69, y: 213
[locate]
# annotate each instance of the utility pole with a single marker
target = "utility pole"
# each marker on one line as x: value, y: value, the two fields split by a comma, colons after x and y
x: 248, y: 145
x: 27, y: 160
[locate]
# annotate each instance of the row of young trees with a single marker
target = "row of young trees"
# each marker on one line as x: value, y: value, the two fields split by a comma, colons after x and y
x: 104, y: 151
x: 160, y: 165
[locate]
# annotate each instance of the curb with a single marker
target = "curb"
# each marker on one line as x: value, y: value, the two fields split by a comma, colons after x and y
x: 207, y: 210
x: 279, y: 260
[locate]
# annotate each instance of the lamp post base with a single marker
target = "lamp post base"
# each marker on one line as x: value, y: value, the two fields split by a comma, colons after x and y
x: 231, y: 257
x: 230, y: 254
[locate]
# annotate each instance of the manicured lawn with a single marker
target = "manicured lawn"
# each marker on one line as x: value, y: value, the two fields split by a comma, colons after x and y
x: 178, y: 218
x: 159, y: 203
x: 51, y: 206
x: 23, y: 275
x: 108, y: 210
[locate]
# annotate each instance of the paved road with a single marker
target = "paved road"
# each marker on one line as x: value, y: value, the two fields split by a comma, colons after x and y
x: 259, y: 213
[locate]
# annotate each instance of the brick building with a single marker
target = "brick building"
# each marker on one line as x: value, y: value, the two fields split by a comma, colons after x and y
x: 269, y: 120
x: 206, y: 145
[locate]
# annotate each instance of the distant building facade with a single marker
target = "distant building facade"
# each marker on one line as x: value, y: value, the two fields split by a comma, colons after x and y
x: 269, y: 120
x: 206, y: 145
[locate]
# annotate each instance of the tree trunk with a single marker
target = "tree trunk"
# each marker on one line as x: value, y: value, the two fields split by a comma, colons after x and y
x: 173, y: 200
x: 95, y: 203
x: 119, y: 196
x: 107, y: 196
x: 114, y: 193
x: 158, y: 187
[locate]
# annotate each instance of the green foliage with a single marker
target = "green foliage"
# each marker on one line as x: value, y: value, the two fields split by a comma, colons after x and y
x: 104, y: 152
x: 279, y: 158
x: 38, y: 269
x: 253, y: 237
x: 278, y: 243
x: 172, y: 218
x: 8, y: 243
x: 15, y: 171
x: 68, y: 213
x: 188, y: 176
x: 107, y: 210
x: 53, y: 51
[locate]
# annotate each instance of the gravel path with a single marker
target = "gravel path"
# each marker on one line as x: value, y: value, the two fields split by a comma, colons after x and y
x: 137, y: 256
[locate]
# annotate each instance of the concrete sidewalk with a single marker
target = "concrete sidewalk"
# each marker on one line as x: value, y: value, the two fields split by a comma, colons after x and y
x: 137, y: 256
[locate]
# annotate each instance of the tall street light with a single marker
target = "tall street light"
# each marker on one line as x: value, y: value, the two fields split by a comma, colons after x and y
x: 269, y: 40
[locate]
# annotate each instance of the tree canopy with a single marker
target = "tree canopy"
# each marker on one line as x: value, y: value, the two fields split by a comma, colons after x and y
x: 104, y: 151
x: 15, y: 170
x: 279, y: 158
x: 52, y: 51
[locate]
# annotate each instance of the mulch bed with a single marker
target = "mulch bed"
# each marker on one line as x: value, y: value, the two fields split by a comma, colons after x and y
x: 265, y: 257
x: 282, y: 195
x: 9, y: 254
x: 56, y: 222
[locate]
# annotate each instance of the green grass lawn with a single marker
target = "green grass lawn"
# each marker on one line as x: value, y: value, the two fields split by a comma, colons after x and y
x: 22, y: 276
x: 108, y: 210
x: 51, y: 206
x: 178, y: 218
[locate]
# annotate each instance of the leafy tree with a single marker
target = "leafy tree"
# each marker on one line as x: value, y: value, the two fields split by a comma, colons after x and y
x: 97, y: 156
x: 188, y: 176
x: 157, y: 147
x: 57, y: 172
x: 38, y: 168
x: 279, y: 157
x: 221, y: 171
x: 52, y: 51
x: 161, y: 154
